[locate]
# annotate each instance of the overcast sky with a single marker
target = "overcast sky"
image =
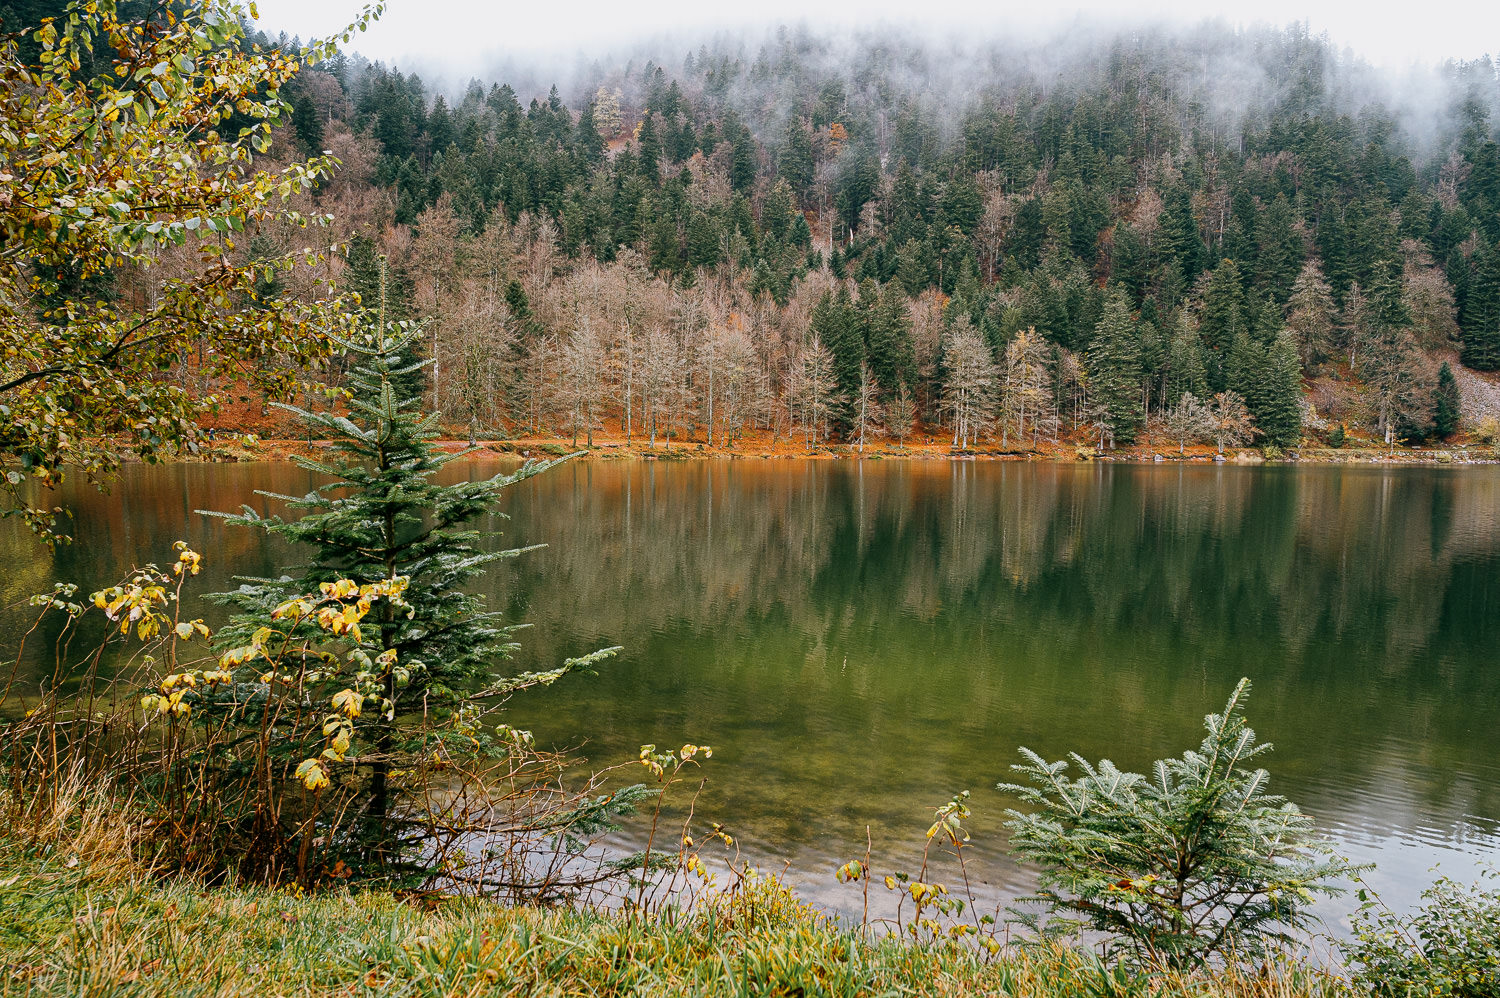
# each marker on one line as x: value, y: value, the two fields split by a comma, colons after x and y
x: 466, y: 37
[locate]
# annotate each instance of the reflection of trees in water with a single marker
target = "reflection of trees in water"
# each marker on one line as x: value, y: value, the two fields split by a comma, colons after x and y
x: 862, y: 639
x: 136, y: 522
x: 963, y: 608
x: 1288, y: 557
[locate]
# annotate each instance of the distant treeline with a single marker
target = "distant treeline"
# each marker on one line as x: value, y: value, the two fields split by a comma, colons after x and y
x: 831, y: 244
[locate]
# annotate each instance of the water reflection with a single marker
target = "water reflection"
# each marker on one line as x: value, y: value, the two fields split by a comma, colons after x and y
x: 861, y: 640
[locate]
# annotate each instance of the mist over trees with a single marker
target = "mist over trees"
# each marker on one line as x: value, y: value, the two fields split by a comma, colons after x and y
x: 830, y: 238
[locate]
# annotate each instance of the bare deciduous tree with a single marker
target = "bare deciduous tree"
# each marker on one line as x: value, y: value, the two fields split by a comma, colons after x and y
x: 581, y: 385
x: 1428, y: 297
x: 474, y: 354
x: 1401, y: 379
x: 1025, y: 397
x: 536, y: 382
x: 1188, y: 420
x: 969, y: 388
x: 816, y: 387
x: 1230, y: 420
x: 869, y: 416
x: 901, y: 414
x: 1312, y: 314
x: 662, y: 377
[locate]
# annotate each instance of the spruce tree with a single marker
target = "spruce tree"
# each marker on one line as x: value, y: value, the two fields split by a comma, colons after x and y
x: 387, y: 295
x: 888, y: 341
x: 776, y: 211
x: 912, y: 267
x: 835, y: 325
x: 309, y: 127
x: 648, y: 146
x: 587, y: 141
x: 1114, y: 366
x: 1280, y: 250
x: 382, y: 516
x: 1223, y: 319
x: 1312, y: 314
x: 1185, y: 362
x: 1179, y: 234
x: 1445, y: 402
x: 702, y: 241
x: 1277, y: 409
x: 1481, y: 313
x: 795, y: 162
x: 1194, y: 863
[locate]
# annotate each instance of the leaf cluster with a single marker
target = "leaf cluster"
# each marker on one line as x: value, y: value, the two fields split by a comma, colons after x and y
x: 121, y: 139
x: 1447, y: 948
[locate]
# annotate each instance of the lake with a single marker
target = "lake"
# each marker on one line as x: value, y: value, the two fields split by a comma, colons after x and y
x: 859, y: 641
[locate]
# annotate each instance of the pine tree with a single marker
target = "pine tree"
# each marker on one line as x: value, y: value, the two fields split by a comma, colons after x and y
x: 382, y: 516
x: 1481, y: 313
x: 1185, y: 362
x: 1224, y: 318
x: 648, y: 148
x: 1277, y: 406
x: 1445, y: 403
x: 1114, y: 364
x: 1311, y: 314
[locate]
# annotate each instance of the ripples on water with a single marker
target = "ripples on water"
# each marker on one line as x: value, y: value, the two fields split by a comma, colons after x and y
x: 859, y: 641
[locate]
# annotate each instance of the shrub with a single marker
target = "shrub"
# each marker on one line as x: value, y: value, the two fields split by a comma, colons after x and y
x: 1196, y: 862
x: 1448, y: 948
x: 1488, y: 430
x: 1337, y: 436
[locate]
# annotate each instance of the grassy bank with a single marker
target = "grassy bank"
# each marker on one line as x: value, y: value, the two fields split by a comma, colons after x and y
x: 72, y: 930
x: 80, y: 915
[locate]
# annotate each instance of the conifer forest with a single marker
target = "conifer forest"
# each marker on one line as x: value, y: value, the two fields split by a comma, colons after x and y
x: 786, y: 236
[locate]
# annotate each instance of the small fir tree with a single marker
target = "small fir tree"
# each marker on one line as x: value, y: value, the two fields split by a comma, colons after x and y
x: 382, y: 516
x: 1197, y: 862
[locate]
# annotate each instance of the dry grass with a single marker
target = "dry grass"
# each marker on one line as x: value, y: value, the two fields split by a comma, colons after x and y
x: 81, y: 913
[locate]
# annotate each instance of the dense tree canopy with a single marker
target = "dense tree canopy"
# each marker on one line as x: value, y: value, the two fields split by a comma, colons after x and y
x: 1238, y: 211
x: 133, y: 164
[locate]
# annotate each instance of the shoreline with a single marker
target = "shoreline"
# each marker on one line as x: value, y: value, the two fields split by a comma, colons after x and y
x: 619, y: 449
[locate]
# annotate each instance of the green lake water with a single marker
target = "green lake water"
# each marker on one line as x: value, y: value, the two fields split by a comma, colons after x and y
x: 858, y: 641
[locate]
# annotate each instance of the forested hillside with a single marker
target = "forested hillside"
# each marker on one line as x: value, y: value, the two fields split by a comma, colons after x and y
x: 1206, y: 234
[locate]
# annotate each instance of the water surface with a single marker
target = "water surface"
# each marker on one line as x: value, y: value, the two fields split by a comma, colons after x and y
x: 861, y: 640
